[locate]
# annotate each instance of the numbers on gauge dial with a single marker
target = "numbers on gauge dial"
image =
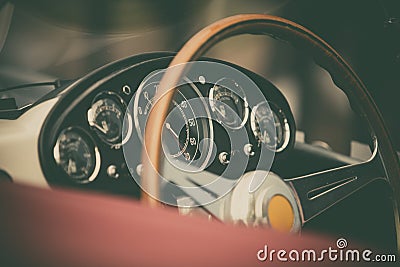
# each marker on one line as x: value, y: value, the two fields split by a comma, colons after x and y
x: 181, y: 130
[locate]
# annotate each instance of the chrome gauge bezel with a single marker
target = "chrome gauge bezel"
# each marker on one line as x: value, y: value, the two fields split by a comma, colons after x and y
x: 125, y: 131
x: 277, y: 112
x: 240, y: 94
x: 94, y: 151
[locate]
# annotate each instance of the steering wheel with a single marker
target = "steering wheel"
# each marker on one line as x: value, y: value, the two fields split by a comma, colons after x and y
x: 384, y: 163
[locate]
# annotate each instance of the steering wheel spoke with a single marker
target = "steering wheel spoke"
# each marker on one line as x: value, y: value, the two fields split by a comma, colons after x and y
x: 318, y: 191
x: 205, y: 188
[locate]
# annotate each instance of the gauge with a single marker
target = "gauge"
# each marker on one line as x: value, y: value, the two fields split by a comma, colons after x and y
x: 76, y: 154
x: 229, y: 104
x: 179, y: 137
x: 107, y: 118
x: 270, y: 126
x: 183, y: 131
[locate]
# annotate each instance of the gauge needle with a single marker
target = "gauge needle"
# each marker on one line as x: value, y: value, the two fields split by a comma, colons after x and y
x: 71, y: 167
x: 105, y: 126
x: 100, y: 128
x: 168, y: 126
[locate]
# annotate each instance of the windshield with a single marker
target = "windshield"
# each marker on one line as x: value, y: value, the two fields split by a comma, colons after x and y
x: 50, y: 40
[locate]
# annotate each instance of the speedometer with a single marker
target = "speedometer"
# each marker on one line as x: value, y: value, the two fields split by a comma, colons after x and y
x: 184, y: 132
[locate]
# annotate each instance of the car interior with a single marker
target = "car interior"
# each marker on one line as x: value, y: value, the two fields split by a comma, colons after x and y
x: 175, y: 133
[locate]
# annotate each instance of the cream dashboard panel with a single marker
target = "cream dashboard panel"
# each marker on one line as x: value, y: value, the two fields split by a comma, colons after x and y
x: 19, y: 138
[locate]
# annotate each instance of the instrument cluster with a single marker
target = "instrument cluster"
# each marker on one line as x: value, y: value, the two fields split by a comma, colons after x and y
x: 88, y: 137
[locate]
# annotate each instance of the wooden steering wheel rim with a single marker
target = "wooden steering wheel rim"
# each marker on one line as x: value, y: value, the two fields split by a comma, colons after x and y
x: 300, y: 37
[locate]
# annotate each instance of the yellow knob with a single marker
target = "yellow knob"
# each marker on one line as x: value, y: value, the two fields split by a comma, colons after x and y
x: 280, y: 213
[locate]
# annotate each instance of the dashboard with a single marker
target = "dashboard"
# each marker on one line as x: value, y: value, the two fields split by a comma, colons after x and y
x: 87, y: 135
x: 92, y: 137
x: 229, y: 149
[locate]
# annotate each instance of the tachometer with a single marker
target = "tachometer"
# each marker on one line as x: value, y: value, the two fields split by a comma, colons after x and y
x: 107, y: 117
x: 76, y: 154
x: 229, y: 104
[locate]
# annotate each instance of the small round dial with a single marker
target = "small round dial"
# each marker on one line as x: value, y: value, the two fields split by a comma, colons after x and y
x: 229, y: 104
x: 270, y: 126
x: 107, y: 117
x: 76, y: 154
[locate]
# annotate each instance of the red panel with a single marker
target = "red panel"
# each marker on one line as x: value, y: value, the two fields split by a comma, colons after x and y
x: 64, y: 228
